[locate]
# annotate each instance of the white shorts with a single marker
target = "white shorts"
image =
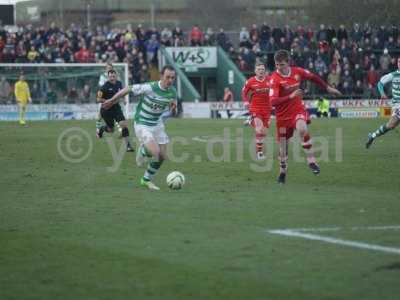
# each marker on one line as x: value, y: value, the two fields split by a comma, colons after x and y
x: 396, y: 110
x: 146, y: 134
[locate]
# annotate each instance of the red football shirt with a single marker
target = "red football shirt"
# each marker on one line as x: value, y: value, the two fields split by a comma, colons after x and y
x: 282, y: 86
x: 256, y: 93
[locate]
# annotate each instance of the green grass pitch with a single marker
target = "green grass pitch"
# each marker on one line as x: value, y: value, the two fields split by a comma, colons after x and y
x: 87, y: 230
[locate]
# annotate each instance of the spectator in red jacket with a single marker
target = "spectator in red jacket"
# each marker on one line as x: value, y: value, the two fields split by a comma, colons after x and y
x: 83, y: 55
x: 196, y: 36
x: 372, y: 76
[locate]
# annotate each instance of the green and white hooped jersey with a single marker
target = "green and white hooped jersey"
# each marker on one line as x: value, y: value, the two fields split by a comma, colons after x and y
x: 153, y: 103
x: 103, y: 78
x: 394, y: 78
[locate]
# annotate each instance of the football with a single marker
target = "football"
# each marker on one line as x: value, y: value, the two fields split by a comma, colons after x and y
x: 175, y: 180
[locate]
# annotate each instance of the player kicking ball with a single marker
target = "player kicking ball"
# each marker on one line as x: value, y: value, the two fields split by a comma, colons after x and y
x: 255, y: 96
x: 286, y: 96
x: 394, y: 78
x: 157, y: 97
x: 112, y: 113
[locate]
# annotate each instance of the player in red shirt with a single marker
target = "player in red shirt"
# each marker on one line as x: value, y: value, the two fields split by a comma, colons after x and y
x: 291, y: 114
x: 255, y: 96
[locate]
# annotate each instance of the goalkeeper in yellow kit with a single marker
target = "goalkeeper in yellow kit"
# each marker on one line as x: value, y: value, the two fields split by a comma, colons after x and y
x: 23, y: 96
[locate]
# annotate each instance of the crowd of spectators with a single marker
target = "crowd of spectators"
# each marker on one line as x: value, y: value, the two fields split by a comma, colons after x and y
x: 30, y: 44
x: 351, y: 59
x: 137, y: 47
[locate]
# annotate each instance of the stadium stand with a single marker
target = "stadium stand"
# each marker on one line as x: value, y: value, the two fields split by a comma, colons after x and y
x: 350, y: 59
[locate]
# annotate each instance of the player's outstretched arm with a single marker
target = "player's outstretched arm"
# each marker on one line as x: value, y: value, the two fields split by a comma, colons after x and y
x: 381, y: 90
x: 381, y: 85
x: 306, y: 74
x: 319, y: 81
x: 333, y: 91
x: 114, y: 99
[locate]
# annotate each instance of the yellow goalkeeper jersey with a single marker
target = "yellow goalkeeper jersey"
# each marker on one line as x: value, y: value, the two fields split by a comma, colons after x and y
x: 22, y: 92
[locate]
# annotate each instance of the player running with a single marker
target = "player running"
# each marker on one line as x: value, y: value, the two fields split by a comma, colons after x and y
x: 102, y: 80
x: 112, y: 113
x: 394, y: 78
x: 291, y: 114
x: 255, y: 96
x: 157, y: 97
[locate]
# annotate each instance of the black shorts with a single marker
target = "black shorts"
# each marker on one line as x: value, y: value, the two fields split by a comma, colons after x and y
x: 114, y: 114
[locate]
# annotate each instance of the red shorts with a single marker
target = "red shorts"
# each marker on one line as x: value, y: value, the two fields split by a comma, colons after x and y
x: 263, y: 116
x: 285, y: 128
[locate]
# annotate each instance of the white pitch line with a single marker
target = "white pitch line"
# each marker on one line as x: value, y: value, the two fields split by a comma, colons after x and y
x: 336, y: 228
x: 218, y: 139
x: 322, y: 229
x: 330, y: 240
x: 390, y: 227
x: 199, y: 139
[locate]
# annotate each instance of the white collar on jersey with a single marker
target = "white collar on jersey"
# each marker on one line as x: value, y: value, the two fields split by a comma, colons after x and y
x: 159, y: 85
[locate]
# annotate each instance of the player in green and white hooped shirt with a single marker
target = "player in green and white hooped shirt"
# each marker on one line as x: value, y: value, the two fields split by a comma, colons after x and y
x: 394, y: 78
x: 157, y: 97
